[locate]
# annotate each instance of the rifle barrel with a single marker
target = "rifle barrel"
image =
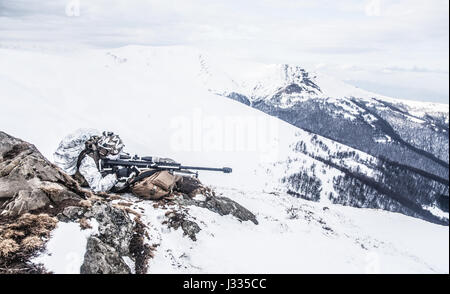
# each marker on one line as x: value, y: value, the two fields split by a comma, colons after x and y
x: 162, y: 166
x: 226, y: 170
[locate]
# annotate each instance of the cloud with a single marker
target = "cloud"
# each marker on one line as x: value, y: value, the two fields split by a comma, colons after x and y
x: 373, y: 8
x: 338, y: 50
x: 393, y: 34
x: 417, y: 92
x: 417, y: 69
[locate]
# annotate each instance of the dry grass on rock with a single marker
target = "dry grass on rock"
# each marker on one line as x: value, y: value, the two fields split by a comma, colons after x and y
x: 21, y: 238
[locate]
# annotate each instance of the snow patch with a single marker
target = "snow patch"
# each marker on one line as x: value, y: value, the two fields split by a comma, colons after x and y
x: 64, y: 253
x: 437, y: 212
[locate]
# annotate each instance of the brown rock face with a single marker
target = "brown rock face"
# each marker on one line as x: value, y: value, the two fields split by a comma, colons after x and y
x: 29, y: 182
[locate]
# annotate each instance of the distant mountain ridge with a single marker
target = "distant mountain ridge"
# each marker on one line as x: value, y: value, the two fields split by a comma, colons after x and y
x: 296, y: 96
x: 409, y: 139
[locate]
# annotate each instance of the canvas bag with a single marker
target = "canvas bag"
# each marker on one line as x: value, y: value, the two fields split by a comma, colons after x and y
x: 155, y: 186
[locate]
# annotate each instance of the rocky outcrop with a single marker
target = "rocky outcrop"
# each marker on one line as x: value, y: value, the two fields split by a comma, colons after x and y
x: 100, y: 258
x: 118, y: 237
x: 33, y: 192
x: 29, y: 182
x: 191, y: 187
x: 222, y: 206
x: 115, y: 226
x: 225, y: 206
x: 179, y: 219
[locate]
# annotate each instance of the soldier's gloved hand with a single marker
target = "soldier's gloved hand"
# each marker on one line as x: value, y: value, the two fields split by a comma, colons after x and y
x: 123, y: 172
x: 133, y: 171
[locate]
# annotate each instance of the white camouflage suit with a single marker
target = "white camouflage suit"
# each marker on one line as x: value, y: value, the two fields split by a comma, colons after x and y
x: 94, y: 178
x: 66, y: 157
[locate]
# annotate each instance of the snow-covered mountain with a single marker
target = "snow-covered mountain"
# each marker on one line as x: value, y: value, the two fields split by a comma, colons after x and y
x: 407, y: 139
x: 379, y: 125
x: 333, y: 145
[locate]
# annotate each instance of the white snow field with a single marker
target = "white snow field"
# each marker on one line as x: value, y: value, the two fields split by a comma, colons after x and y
x: 157, y: 99
x: 335, y: 240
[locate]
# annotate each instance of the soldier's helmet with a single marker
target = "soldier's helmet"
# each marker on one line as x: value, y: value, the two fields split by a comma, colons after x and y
x: 109, y: 144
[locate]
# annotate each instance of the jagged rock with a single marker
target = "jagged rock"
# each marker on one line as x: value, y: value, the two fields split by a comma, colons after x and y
x: 106, y: 249
x: 140, y: 251
x: 222, y: 206
x: 100, y: 258
x: 115, y: 226
x: 225, y: 206
x: 28, y: 181
x: 114, y: 240
x: 188, y: 185
x: 25, y: 201
x: 71, y: 213
x: 191, y: 187
x: 190, y: 229
x: 177, y: 220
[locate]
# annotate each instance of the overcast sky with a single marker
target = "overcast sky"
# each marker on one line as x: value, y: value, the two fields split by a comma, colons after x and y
x: 398, y: 48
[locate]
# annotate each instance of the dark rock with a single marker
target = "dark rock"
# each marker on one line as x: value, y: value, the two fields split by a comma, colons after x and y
x: 25, y: 201
x: 100, y: 258
x: 222, y: 206
x: 71, y: 213
x: 28, y: 181
x: 188, y: 185
x: 140, y: 251
x: 225, y: 206
x: 190, y: 228
x: 116, y: 238
x: 115, y: 226
x: 105, y: 250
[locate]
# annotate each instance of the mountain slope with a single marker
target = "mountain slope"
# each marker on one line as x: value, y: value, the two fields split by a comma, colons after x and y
x: 159, y: 92
x: 295, y: 236
x: 407, y: 132
x: 156, y: 99
x: 409, y: 139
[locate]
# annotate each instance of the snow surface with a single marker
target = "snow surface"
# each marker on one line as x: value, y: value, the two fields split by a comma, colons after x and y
x: 153, y: 100
x: 65, y: 250
x: 156, y: 99
x: 437, y: 212
x: 322, y: 239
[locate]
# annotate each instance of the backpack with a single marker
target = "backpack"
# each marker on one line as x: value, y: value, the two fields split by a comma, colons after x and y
x: 153, y: 184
